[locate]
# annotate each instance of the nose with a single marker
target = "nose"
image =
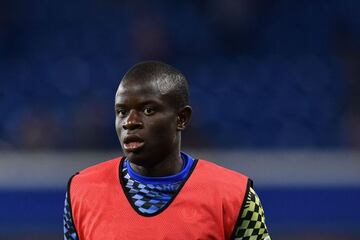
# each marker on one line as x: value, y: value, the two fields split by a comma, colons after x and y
x: 132, y: 121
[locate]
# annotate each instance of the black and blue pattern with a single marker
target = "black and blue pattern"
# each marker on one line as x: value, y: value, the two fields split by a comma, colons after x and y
x: 148, y: 198
x: 69, y: 227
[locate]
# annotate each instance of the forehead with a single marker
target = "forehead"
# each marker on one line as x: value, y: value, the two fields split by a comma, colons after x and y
x: 140, y: 91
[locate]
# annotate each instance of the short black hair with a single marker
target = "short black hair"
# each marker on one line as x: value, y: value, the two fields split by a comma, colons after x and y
x: 168, y: 78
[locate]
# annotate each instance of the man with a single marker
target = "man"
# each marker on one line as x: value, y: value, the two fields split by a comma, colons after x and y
x: 157, y: 191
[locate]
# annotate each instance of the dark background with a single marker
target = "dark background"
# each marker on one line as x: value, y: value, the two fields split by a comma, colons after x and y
x: 263, y: 74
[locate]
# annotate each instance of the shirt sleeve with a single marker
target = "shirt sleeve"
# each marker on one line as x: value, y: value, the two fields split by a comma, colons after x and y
x: 69, y: 227
x: 251, y: 223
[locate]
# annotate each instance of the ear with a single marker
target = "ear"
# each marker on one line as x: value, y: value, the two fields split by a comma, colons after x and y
x: 183, y: 117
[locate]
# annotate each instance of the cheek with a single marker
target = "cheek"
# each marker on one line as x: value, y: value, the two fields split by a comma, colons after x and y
x: 164, y: 130
x: 118, y: 126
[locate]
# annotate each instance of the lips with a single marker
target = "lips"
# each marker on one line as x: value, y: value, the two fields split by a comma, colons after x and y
x: 133, y: 143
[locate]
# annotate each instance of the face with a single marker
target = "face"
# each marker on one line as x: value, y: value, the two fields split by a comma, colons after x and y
x: 146, y: 123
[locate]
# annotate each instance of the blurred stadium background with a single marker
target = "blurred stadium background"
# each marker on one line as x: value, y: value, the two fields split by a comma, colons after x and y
x: 275, y: 86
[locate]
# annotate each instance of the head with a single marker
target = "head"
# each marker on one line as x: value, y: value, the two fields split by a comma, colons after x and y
x: 152, y: 108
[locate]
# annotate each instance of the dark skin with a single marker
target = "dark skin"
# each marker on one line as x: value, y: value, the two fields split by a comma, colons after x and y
x: 149, y: 127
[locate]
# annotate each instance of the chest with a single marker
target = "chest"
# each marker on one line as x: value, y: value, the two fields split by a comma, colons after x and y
x: 191, y: 215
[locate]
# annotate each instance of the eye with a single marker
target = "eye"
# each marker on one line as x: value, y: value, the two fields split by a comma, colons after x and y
x: 149, y: 111
x: 121, y: 112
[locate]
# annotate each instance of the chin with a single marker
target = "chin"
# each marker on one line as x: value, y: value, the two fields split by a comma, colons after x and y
x: 136, y: 158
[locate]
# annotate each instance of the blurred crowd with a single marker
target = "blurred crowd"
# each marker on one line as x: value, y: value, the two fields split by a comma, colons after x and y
x: 262, y: 74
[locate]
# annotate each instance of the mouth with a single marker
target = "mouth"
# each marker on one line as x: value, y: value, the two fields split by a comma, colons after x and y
x: 132, y: 143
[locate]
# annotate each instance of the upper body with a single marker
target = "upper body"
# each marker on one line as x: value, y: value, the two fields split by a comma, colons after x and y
x: 159, y: 182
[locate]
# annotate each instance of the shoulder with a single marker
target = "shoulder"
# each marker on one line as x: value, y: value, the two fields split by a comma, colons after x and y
x: 224, y: 178
x: 97, y: 171
x: 251, y: 222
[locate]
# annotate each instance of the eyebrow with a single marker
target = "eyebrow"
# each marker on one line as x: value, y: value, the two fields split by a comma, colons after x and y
x: 119, y: 105
x: 143, y: 103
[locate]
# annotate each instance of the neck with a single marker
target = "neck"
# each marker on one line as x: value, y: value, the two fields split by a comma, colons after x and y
x: 171, y: 165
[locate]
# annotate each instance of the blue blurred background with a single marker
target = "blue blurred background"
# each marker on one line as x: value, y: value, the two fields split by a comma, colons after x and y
x: 267, y: 78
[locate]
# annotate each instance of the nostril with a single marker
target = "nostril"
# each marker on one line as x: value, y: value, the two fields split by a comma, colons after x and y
x: 132, y: 125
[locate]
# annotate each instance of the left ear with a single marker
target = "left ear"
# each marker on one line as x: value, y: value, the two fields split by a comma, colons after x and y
x: 183, y: 117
